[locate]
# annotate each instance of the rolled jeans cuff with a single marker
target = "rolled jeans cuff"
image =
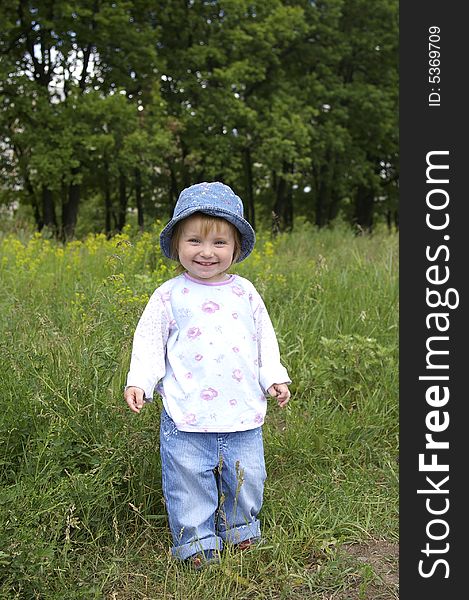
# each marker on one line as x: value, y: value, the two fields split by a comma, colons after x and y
x: 239, y: 534
x: 195, y: 546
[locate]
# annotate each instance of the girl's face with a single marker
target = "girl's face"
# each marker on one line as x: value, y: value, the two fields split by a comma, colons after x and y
x: 206, y: 253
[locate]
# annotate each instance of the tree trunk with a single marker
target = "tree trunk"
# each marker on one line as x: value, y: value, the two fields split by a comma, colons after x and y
x: 34, y: 204
x: 173, y: 190
x: 289, y: 209
x: 283, y: 207
x: 364, y: 201
x: 138, y: 198
x: 250, y: 213
x: 334, y: 206
x: 323, y: 209
x: 48, y: 210
x: 185, y: 172
x: 70, y: 209
x: 280, y: 190
x: 319, y: 206
x: 389, y: 220
x: 107, y: 201
x: 122, y: 214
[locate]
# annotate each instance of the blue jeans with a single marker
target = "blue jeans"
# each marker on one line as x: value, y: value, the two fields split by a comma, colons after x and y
x: 213, y: 485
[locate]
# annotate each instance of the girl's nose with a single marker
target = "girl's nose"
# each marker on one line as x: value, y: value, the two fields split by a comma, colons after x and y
x: 206, y: 250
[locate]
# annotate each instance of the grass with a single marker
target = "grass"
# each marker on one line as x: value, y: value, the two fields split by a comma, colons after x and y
x: 81, y: 512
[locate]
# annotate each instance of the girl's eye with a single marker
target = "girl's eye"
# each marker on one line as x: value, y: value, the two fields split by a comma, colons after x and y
x: 193, y: 241
x: 220, y: 242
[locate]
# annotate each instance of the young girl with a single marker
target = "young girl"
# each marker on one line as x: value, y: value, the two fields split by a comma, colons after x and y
x: 206, y: 344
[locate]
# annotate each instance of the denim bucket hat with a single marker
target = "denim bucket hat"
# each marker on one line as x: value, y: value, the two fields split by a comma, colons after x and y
x: 216, y: 199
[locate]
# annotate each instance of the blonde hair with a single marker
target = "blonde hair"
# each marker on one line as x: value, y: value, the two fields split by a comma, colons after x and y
x: 208, y: 222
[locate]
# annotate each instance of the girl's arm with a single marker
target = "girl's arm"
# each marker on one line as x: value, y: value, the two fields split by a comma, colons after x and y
x: 271, y: 370
x: 147, y: 364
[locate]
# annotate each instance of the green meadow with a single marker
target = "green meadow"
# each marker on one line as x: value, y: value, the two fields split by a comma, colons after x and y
x: 81, y: 510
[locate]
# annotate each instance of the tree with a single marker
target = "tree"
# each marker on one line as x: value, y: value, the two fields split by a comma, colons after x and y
x: 369, y: 73
x: 58, y: 52
x: 291, y: 102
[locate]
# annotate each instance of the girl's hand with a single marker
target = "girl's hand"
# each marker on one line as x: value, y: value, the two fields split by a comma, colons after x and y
x: 281, y: 392
x: 134, y: 396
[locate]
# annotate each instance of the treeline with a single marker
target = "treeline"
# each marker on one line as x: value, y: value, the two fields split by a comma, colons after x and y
x: 108, y: 105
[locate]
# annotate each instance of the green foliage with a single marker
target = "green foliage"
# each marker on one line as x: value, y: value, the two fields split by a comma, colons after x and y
x: 81, y: 510
x: 350, y: 368
x: 272, y: 97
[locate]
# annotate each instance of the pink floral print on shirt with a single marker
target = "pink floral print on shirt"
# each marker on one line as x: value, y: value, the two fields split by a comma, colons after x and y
x: 237, y: 374
x: 237, y: 290
x: 208, y: 394
x: 210, y: 307
x: 193, y: 333
x: 198, y: 357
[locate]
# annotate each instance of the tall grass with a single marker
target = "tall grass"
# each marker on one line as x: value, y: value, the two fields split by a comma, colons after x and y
x: 81, y: 511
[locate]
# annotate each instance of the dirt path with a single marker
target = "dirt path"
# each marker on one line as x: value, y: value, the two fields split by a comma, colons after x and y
x: 375, y: 572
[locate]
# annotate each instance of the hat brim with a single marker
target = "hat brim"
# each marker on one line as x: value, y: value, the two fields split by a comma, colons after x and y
x: 248, y: 236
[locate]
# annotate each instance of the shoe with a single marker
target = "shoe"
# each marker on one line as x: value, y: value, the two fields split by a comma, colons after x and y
x: 244, y: 545
x: 249, y: 543
x: 203, y: 559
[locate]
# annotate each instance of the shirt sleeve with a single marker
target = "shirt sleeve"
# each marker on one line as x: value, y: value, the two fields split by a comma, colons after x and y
x: 271, y: 369
x: 147, y: 363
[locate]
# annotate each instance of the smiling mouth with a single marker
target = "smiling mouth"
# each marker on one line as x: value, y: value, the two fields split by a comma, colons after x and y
x: 205, y: 264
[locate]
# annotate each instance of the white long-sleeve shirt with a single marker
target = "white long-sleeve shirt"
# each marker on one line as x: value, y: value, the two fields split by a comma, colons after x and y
x: 210, y: 351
